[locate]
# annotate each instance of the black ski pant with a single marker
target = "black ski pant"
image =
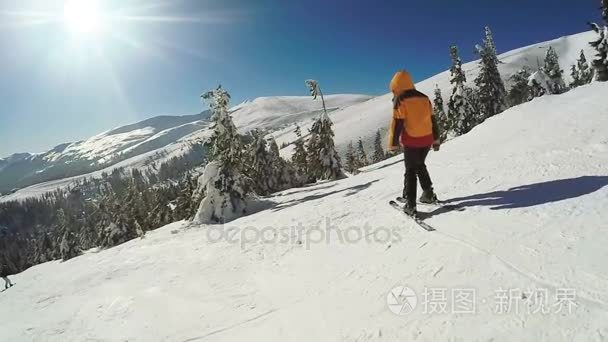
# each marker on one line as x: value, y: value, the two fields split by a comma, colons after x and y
x: 7, y: 282
x: 415, y: 168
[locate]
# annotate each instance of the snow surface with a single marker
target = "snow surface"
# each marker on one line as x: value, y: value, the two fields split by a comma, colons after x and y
x: 533, y: 185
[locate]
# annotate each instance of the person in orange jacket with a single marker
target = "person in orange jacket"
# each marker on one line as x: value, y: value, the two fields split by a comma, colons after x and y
x: 414, y: 127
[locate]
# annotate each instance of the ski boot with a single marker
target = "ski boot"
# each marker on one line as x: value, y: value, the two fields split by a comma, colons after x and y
x: 410, y: 210
x: 428, y: 197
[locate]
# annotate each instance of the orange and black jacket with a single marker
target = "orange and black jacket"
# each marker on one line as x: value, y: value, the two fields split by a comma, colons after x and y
x: 413, y: 123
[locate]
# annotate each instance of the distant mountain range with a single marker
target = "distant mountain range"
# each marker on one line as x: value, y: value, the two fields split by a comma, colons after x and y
x: 151, y: 141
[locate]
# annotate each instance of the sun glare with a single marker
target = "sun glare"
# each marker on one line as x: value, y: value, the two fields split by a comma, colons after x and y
x: 83, y: 16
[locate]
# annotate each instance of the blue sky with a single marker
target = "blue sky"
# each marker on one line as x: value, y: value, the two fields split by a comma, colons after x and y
x: 57, y: 85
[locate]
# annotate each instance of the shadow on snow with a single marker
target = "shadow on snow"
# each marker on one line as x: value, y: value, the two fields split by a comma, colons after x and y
x: 349, y: 192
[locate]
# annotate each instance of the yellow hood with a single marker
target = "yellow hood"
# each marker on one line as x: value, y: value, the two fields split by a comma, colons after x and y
x: 401, y: 82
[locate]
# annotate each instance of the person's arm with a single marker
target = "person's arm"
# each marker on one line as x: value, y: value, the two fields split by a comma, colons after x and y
x: 395, y: 130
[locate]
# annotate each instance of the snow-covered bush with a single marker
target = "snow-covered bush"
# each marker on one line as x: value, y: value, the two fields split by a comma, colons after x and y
x: 225, y: 196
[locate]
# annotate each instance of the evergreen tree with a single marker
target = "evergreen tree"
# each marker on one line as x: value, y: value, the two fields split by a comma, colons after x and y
x: 351, y: 160
x: 476, y: 117
x: 581, y: 73
x: 585, y: 71
x: 520, y: 88
x: 361, y: 155
x: 136, y: 208
x: 161, y: 213
x: 223, y: 184
x: 299, y: 155
x: 315, y: 91
x: 324, y: 162
x: 556, y: 84
x: 284, y: 172
x: 576, y: 77
x: 491, y: 87
x: 440, y: 114
x: 461, y: 116
x: 379, y: 154
x: 263, y: 173
x: 600, y: 62
x: 186, y: 204
x: 68, y: 248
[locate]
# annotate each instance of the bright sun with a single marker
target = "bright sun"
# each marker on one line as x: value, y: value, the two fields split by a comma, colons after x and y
x: 83, y: 16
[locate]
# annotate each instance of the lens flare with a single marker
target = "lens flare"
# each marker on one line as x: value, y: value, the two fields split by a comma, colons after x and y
x: 83, y: 16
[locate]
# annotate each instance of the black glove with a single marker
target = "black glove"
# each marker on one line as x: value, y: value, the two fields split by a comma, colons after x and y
x: 436, y: 145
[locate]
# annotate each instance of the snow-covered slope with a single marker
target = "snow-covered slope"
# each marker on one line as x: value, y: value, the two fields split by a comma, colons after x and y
x: 363, y: 120
x: 155, y: 139
x: 532, y: 184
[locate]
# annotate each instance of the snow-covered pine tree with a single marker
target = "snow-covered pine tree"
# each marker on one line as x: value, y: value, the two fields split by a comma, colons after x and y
x: 440, y: 114
x: 520, y: 88
x: 491, y: 88
x: 350, y: 158
x: 68, y: 248
x: 285, y: 173
x: 585, y: 71
x: 576, y: 77
x: 263, y: 170
x: 555, y: 82
x: 315, y: 91
x: 161, y: 213
x: 222, y: 184
x: 461, y: 116
x: 324, y: 161
x: 379, y: 154
x: 186, y: 204
x: 600, y: 62
x: 361, y: 155
x: 471, y: 95
x: 136, y: 210
x: 299, y: 155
